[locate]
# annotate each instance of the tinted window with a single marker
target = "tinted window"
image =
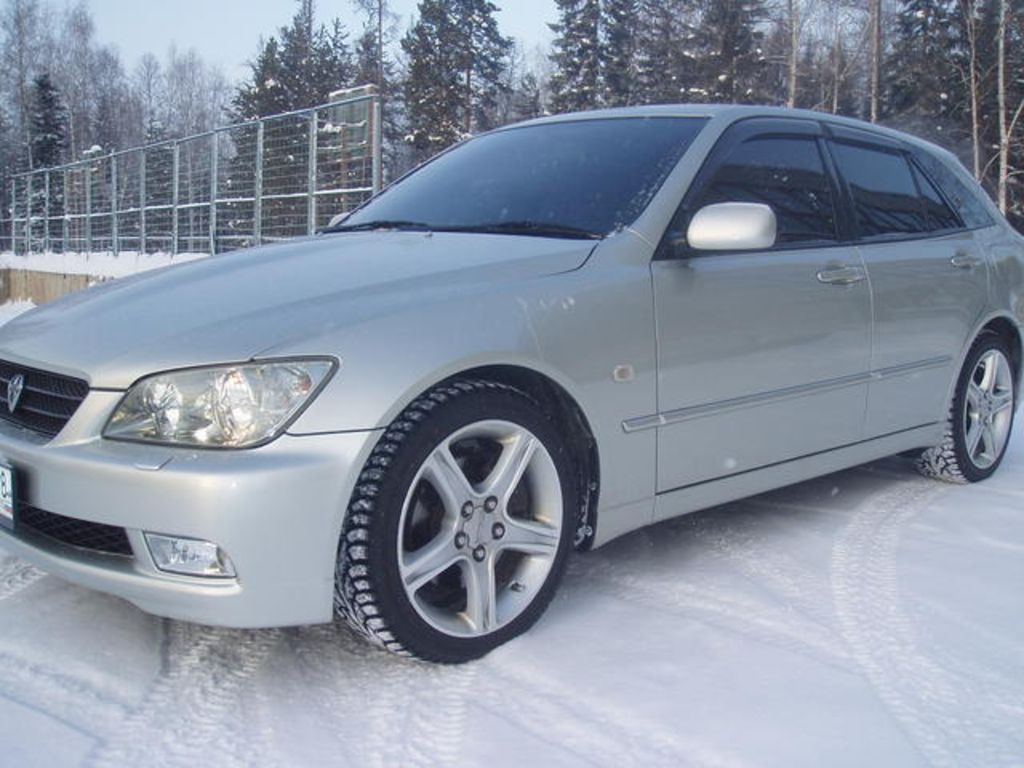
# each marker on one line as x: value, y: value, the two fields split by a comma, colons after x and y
x: 592, y: 175
x: 937, y: 214
x: 965, y: 199
x: 884, y: 194
x: 785, y: 173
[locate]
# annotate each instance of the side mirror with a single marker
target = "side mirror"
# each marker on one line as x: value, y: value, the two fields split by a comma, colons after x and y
x: 732, y: 227
x: 338, y: 218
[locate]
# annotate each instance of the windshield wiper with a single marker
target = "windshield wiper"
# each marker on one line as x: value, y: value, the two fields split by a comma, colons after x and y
x: 532, y: 228
x: 382, y: 224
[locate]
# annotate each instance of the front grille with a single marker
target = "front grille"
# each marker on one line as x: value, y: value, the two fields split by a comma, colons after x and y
x: 47, y: 400
x: 96, y: 537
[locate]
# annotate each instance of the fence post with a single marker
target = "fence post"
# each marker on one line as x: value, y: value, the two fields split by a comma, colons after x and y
x: 115, y: 245
x: 65, y: 224
x: 28, y: 213
x: 257, y: 188
x: 88, y: 209
x: 378, y: 144
x: 311, y: 174
x: 142, y: 201
x: 214, y: 172
x: 46, y: 211
x: 174, y: 198
x: 14, y: 216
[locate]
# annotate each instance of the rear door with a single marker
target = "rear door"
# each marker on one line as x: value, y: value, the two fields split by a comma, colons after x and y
x: 928, y: 276
x: 762, y: 356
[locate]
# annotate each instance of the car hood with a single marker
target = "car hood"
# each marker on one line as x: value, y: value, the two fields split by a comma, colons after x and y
x: 234, y: 306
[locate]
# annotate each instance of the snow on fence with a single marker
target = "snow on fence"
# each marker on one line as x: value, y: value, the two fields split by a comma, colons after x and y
x: 270, y: 179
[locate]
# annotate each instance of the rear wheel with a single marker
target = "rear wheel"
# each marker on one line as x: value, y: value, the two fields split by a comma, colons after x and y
x: 458, y: 530
x: 981, y: 416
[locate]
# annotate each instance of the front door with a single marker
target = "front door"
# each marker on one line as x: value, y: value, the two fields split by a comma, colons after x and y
x: 763, y: 356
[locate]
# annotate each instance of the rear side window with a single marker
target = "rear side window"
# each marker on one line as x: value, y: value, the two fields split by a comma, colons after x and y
x: 786, y: 173
x: 937, y: 214
x: 885, y: 196
x: 964, y: 199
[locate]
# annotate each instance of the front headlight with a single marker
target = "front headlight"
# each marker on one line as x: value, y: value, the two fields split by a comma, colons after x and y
x: 229, y: 406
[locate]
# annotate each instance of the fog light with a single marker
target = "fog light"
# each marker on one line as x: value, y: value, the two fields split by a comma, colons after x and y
x: 191, y: 557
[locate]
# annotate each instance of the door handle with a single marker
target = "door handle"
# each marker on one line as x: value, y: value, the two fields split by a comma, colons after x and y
x: 841, y: 276
x: 965, y: 261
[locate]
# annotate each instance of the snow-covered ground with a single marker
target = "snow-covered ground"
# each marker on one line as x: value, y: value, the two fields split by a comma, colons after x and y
x: 101, y: 264
x: 868, y: 618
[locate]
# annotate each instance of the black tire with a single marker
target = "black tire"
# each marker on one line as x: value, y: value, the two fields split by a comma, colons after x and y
x: 950, y: 461
x: 369, y: 593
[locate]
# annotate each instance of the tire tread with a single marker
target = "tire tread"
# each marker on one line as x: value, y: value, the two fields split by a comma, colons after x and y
x: 356, y: 597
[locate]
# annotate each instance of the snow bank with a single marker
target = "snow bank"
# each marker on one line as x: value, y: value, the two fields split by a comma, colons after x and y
x: 12, y: 309
x: 94, y: 264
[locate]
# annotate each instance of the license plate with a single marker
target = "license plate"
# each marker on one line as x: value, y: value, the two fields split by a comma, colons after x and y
x: 6, y: 496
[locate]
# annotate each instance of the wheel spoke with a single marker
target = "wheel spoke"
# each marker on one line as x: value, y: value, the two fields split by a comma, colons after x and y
x: 990, y: 441
x: 429, y: 561
x: 515, y: 458
x: 974, y: 434
x: 974, y: 396
x: 481, y: 595
x: 448, y: 479
x: 990, y: 364
x: 530, y: 538
x: 1001, y: 401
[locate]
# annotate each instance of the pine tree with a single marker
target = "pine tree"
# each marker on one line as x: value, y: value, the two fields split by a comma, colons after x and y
x: 618, y: 53
x: 483, y: 55
x: 456, y: 61
x: 527, y: 99
x: 576, y: 81
x: 665, y: 53
x: 732, y: 59
x: 921, y: 80
x: 49, y: 123
x: 296, y: 69
x: 264, y: 94
x: 433, y: 98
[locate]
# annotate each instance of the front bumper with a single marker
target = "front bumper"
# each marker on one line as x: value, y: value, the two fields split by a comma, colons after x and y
x: 277, y: 511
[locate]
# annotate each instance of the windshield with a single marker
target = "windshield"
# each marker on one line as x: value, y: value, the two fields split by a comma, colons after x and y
x: 584, y: 178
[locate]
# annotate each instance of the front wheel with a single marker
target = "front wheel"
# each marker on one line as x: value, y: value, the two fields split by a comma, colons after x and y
x: 460, y: 525
x: 980, y: 419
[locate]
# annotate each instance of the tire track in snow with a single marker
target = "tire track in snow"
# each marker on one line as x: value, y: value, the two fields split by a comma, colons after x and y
x: 767, y: 565
x: 393, y: 711
x: 597, y: 731
x: 193, y: 705
x: 64, y: 697
x: 943, y: 711
x: 746, y: 617
x: 16, y: 575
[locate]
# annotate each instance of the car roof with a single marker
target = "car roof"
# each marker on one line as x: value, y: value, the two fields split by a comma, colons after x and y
x: 734, y: 112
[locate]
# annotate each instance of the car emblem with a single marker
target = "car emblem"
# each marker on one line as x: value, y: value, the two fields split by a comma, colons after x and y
x: 14, y: 388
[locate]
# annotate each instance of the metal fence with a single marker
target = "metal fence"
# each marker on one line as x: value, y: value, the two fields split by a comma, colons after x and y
x: 269, y: 179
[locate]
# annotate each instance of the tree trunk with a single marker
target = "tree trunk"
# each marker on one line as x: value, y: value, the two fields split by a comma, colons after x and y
x: 970, y: 20
x: 876, y: 57
x: 794, y: 51
x: 1004, y: 128
x: 837, y: 74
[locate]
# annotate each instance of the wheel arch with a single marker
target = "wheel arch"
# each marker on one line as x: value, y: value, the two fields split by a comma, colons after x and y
x: 556, y: 400
x: 1006, y: 328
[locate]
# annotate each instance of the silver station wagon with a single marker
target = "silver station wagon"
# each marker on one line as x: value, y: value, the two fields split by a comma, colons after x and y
x: 551, y: 335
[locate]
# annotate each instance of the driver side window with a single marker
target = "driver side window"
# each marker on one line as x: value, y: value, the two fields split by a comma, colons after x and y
x: 786, y: 173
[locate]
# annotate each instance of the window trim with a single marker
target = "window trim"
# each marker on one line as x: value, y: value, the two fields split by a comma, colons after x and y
x: 914, y: 152
x: 826, y: 133
x: 863, y: 139
x: 740, y: 132
x: 915, y: 171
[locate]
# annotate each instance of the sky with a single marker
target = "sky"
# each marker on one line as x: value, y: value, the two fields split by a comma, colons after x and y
x: 226, y: 32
